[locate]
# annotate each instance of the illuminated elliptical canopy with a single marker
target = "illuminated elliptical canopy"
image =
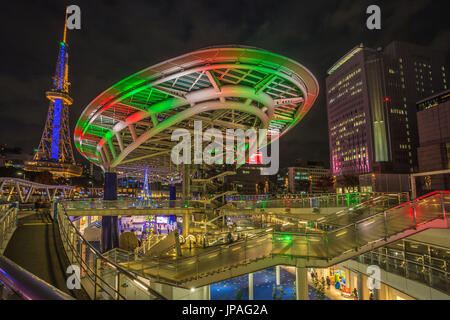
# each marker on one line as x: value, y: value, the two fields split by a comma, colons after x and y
x: 228, y: 87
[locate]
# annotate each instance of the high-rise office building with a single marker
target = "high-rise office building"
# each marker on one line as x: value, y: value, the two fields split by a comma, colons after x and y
x: 303, y: 177
x: 433, y: 120
x: 371, y: 103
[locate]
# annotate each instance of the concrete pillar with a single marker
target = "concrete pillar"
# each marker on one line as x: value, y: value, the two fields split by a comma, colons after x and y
x: 186, y: 182
x: 350, y: 284
x: 301, y: 283
x: 359, y: 285
x: 250, y: 286
x: 206, y: 292
x: 376, y: 294
x: 186, y: 223
x: 110, y: 228
x: 277, y: 275
x: 173, y: 192
x: 172, y: 195
x: 413, y: 187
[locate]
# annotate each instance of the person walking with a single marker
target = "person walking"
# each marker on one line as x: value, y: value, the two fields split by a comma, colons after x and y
x: 355, y: 293
x: 328, y: 282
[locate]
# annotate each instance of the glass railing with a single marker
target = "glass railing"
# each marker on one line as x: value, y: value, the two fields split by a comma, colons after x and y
x: 362, y: 210
x: 422, y: 266
x: 8, y: 223
x: 322, y: 201
x: 98, y: 204
x: 101, y: 278
x: 325, y: 245
x: 319, y: 201
x: 17, y: 283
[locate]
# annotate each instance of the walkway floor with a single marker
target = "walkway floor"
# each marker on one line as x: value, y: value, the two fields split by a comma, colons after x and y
x: 36, y: 246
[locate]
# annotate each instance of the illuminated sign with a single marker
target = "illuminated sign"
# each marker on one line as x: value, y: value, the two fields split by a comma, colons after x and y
x: 162, y: 219
x: 255, y: 158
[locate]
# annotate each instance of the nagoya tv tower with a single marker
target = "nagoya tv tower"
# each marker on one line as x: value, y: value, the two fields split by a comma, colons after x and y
x: 54, y: 153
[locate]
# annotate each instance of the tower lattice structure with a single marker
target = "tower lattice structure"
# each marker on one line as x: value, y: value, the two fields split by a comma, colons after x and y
x: 55, y: 152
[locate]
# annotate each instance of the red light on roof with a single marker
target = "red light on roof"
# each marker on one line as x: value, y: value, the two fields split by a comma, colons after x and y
x: 255, y: 158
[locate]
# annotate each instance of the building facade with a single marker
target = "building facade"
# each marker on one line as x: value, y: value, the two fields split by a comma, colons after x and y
x: 248, y: 180
x: 371, y: 104
x: 302, y: 179
x: 433, y: 120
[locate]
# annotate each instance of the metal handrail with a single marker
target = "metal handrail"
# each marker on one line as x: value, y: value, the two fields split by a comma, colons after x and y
x: 8, y: 222
x: 353, y: 242
x: 425, y: 263
x: 26, y: 285
x: 12, y: 276
x: 254, y: 204
x: 412, y: 202
x: 404, y: 259
x: 105, y: 260
x: 35, y: 184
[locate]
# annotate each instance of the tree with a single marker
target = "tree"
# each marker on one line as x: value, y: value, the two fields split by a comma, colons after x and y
x: 319, y: 288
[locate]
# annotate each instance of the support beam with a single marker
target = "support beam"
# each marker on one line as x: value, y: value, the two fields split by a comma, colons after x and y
x: 132, y: 131
x: 111, y: 147
x: 119, y: 140
x: 213, y: 80
x: 154, y: 119
x: 30, y: 192
x: 11, y: 190
x: 106, y: 153
x: 54, y: 193
x: 19, y: 192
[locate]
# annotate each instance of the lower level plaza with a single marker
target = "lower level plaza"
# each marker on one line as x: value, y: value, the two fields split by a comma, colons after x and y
x: 340, y: 284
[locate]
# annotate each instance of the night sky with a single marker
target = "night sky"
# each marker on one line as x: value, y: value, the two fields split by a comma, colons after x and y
x: 119, y: 38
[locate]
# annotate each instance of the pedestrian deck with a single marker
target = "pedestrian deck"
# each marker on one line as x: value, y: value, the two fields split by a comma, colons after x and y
x: 36, y: 246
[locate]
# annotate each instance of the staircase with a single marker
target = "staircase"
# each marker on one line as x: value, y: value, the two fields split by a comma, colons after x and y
x: 311, y: 249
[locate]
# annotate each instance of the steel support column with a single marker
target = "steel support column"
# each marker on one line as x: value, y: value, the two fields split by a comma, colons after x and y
x: 110, y: 228
x: 301, y: 283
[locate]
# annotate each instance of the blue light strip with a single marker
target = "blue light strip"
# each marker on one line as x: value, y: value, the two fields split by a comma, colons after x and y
x: 56, y: 128
x: 61, y: 65
x: 57, y: 105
